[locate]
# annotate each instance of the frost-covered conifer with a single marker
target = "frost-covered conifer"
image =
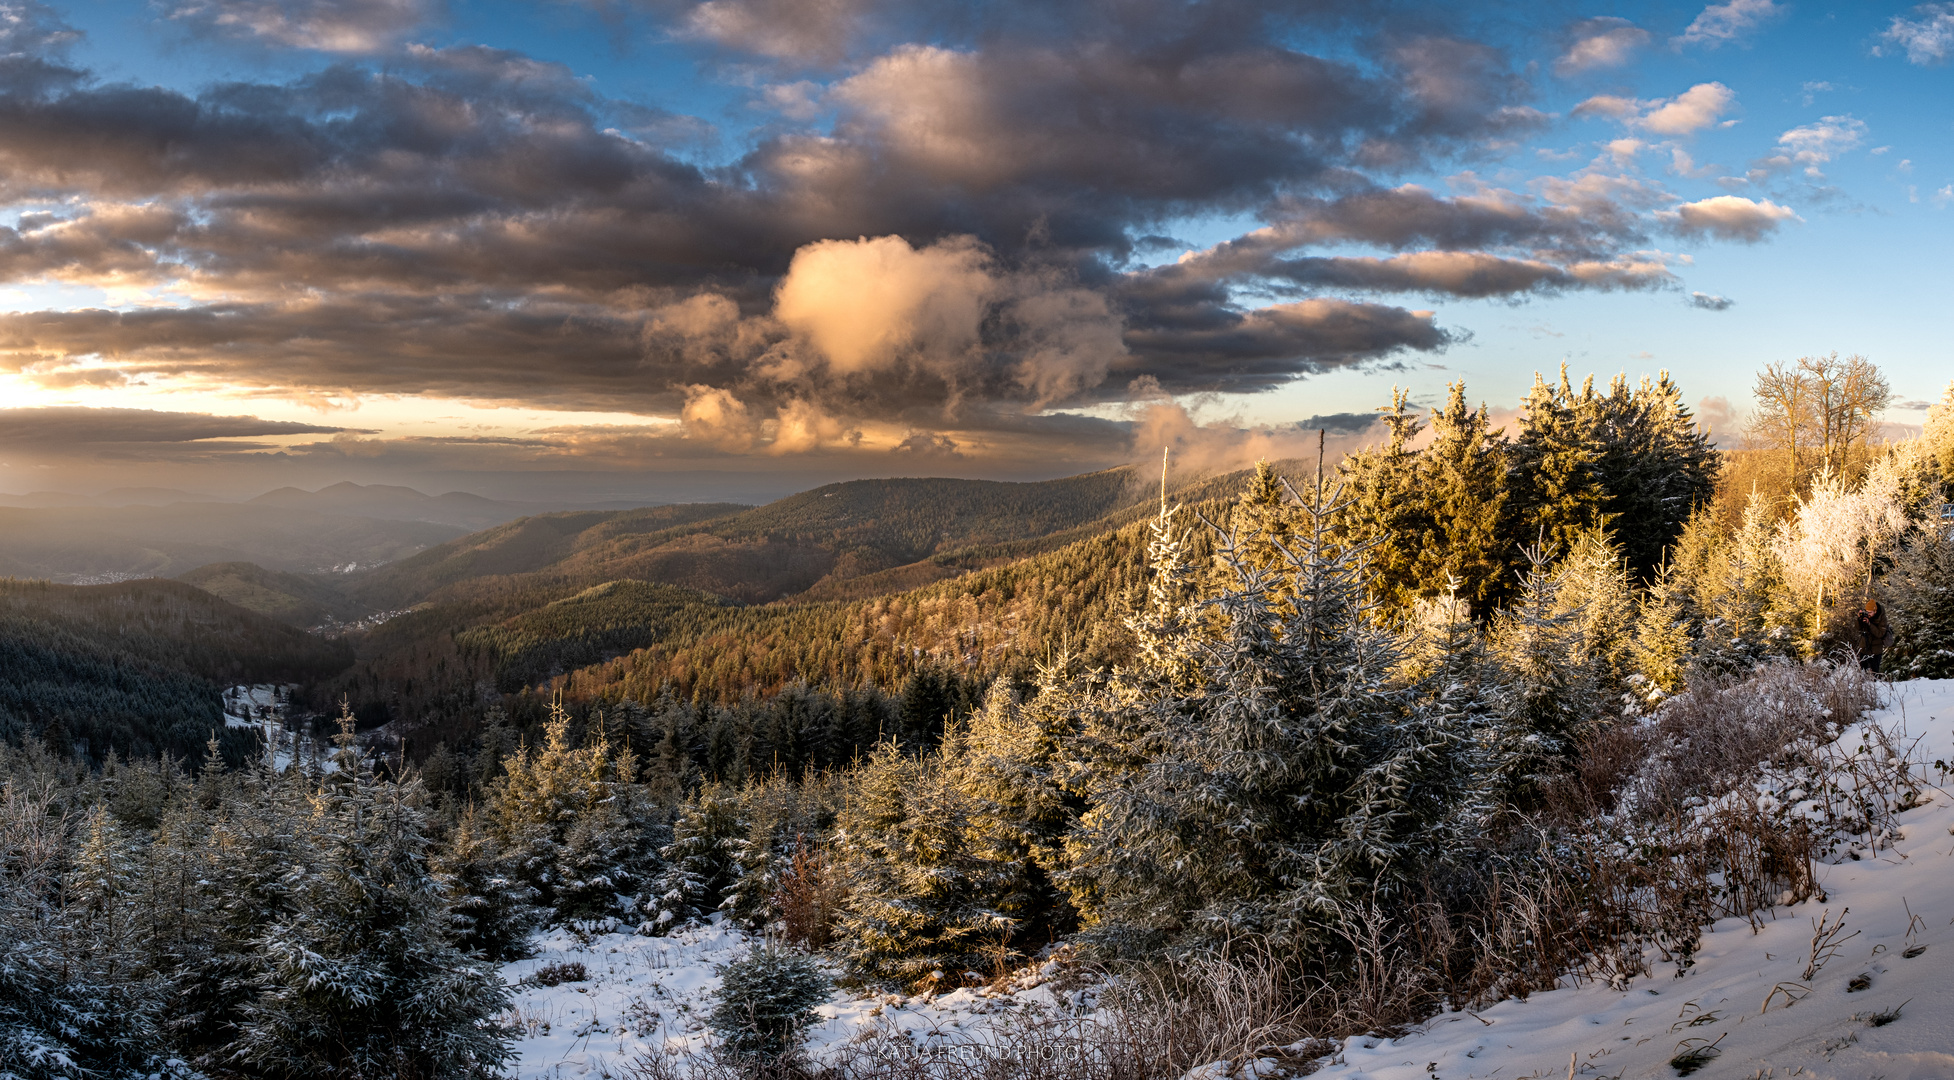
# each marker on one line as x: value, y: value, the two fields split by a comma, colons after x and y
x: 701, y: 862
x: 1258, y: 767
x: 1665, y: 633
x: 1462, y: 477
x: 571, y: 822
x: 1591, y: 586
x: 360, y: 980
x: 1010, y: 762
x: 1549, y: 690
x: 493, y: 909
x: 766, y: 1000
x: 1920, y: 596
x: 920, y: 905
x: 71, y: 1005
x: 1741, y: 594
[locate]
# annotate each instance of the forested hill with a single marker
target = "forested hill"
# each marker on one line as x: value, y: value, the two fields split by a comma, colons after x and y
x: 822, y: 537
x: 1009, y: 602
x: 138, y: 666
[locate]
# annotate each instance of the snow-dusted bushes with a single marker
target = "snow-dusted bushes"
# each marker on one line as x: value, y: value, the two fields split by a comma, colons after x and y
x: 766, y: 1000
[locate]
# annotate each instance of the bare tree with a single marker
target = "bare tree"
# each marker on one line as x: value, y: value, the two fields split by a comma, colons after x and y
x: 1820, y: 410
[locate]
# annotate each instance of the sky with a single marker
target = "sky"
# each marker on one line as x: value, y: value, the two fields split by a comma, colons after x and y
x: 668, y: 249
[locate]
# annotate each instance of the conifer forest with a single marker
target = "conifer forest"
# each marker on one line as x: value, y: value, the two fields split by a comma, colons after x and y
x: 1160, y: 774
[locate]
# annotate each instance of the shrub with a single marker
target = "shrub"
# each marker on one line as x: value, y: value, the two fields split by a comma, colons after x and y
x: 560, y: 972
x: 766, y: 999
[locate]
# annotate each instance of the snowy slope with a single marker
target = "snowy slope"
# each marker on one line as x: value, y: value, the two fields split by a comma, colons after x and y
x: 1723, y: 1000
x: 643, y: 993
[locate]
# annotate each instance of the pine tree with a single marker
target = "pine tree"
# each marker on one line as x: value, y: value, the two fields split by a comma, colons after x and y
x: 1255, y: 770
x: 1462, y: 479
x: 702, y: 861
x: 1010, y: 762
x: 1386, y: 507
x: 920, y: 905
x: 1554, y: 495
x: 1665, y: 636
x: 1938, y: 437
x: 1548, y: 686
x: 360, y: 981
x: 766, y: 1000
x: 1920, y: 594
x: 1591, y: 586
x: 492, y: 907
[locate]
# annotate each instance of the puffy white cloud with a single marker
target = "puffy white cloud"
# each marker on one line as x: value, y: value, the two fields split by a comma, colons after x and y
x: 1812, y: 145
x: 1701, y: 106
x: 1728, y: 217
x: 865, y: 304
x: 1604, y: 42
x: 714, y: 416
x: 1927, y: 37
x: 1721, y: 24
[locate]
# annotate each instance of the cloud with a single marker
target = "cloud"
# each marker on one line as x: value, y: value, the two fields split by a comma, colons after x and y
x: 943, y: 238
x: 1602, y: 42
x: 1728, y: 217
x: 1927, y: 38
x: 1722, y: 24
x: 332, y: 26
x: 1710, y: 301
x: 865, y: 304
x: 1691, y: 111
x: 58, y: 426
x: 1812, y: 145
x: 1701, y: 106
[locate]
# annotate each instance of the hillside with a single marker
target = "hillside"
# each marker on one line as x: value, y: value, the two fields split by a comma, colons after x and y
x: 996, y: 606
x: 302, y: 600
x: 138, y: 666
x: 814, y: 540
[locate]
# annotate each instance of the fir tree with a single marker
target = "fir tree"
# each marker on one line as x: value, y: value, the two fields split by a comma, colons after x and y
x: 1554, y: 495
x: 1548, y: 687
x: 492, y: 907
x: 1920, y: 593
x: 1010, y: 762
x: 702, y: 861
x: 1387, y: 507
x: 360, y: 981
x: 920, y: 904
x: 766, y: 1001
x: 1462, y: 480
x: 1256, y: 769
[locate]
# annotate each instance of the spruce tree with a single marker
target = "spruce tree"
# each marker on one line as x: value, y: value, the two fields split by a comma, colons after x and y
x: 1553, y: 493
x: 360, y: 980
x: 920, y: 904
x: 493, y: 909
x: 702, y: 861
x: 1010, y: 761
x: 1256, y: 768
x: 1549, y: 691
x: 1920, y: 594
x: 1386, y: 506
x: 1462, y: 480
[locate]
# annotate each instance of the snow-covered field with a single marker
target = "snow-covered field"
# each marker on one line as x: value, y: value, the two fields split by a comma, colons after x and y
x: 649, y: 993
x: 1746, y: 996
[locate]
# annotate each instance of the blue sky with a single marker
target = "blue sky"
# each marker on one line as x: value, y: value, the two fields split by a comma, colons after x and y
x: 875, y: 237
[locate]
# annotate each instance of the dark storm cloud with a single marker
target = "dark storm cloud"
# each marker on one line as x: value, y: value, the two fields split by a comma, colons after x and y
x: 53, y: 428
x: 472, y: 222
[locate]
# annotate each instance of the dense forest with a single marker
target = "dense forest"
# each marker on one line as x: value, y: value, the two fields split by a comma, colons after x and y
x: 1457, y: 707
x: 138, y: 669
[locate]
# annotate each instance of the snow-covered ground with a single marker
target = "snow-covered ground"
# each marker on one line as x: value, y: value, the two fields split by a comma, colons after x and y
x: 260, y: 705
x: 649, y: 993
x: 1746, y: 995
